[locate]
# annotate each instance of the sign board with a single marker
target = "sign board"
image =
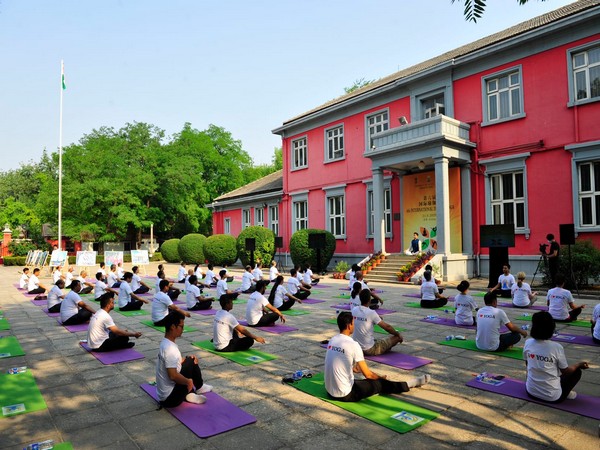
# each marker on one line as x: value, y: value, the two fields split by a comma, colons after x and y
x: 113, y: 257
x: 139, y: 257
x: 58, y: 258
x: 86, y: 259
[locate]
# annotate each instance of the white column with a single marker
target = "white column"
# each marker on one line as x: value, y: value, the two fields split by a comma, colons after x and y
x: 466, y: 209
x: 442, y: 203
x: 379, y: 231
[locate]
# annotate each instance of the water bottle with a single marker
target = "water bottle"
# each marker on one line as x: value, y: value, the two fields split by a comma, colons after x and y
x: 458, y: 337
x: 446, y: 311
x: 297, y: 375
x: 525, y: 327
x: 482, y: 376
x: 525, y: 315
x: 431, y: 317
x: 449, y: 338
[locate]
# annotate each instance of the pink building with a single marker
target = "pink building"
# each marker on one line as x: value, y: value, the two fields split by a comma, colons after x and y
x: 504, y: 130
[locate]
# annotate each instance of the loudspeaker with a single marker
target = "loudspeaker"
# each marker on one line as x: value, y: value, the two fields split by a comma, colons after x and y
x: 498, y: 257
x: 316, y: 241
x: 278, y: 241
x: 250, y: 244
x: 567, y: 234
x: 497, y: 236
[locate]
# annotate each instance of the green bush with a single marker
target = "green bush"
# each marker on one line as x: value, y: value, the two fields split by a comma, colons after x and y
x: 14, y: 260
x: 220, y: 249
x: 265, y: 245
x: 169, y: 250
x: 302, y: 255
x: 341, y: 267
x: 157, y: 256
x: 191, y: 248
x: 21, y: 248
x: 586, y: 264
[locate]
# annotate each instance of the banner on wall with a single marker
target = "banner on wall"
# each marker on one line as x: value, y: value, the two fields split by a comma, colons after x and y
x: 420, y: 212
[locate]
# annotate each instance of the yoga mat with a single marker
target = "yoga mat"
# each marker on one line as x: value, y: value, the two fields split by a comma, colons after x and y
x: 31, y: 295
x: 584, y: 405
x: 203, y: 312
x: 63, y: 446
x: 384, y: 410
x: 9, y: 347
x: 18, y: 286
x: 449, y: 322
x: 510, y: 305
x: 294, y: 312
x: 245, y: 357
x: 376, y: 328
x: 400, y: 360
x: 312, y: 301
x: 574, y: 339
x: 139, y: 312
x: 469, y: 344
x: 277, y: 329
x: 150, y: 324
x: 4, y: 325
x: 342, y: 296
x: 322, y: 285
x: 19, y: 394
x: 49, y: 314
x: 380, y: 311
x: 477, y: 294
x: 441, y: 308
x: 115, y: 356
x: 576, y: 323
x: 39, y: 302
x: 74, y: 328
x: 450, y: 299
x: 216, y: 416
x: 374, y: 291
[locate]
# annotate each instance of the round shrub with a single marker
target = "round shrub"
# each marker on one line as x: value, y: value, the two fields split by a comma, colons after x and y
x: 265, y: 245
x: 191, y: 248
x: 302, y: 255
x: 220, y: 249
x: 169, y: 250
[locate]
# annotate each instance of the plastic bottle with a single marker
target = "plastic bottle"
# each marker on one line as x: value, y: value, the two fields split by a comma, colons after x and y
x: 525, y: 327
x: 449, y: 337
x: 525, y: 315
x: 459, y: 337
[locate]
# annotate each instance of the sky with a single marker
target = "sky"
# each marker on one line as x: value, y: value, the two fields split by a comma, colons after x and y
x: 246, y: 66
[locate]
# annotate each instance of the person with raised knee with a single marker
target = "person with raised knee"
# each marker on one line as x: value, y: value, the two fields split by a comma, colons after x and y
x: 228, y: 334
x: 489, y: 321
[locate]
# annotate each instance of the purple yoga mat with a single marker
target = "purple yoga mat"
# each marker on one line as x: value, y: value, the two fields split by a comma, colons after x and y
x: 449, y: 321
x: 18, y: 286
x: 400, y: 360
x: 277, y: 329
x: 49, y: 314
x: 584, y: 405
x: 30, y: 295
x: 380, y: 311
x: 216, y: 416
x: 510, y: 305
x: 312, y: 301
x: 204, y: 312
x: 574, y: 339
x: 319, y: 286
x: 74, y: 328
x: 39, y: 302
x: 374, y: 291
x: 114, y: 357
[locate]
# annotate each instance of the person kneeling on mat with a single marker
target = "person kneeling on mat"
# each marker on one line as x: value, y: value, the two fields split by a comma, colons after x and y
x: 103, y: 334
x: 489, y: 321
x: 257, y: 306
x: 227, y: 332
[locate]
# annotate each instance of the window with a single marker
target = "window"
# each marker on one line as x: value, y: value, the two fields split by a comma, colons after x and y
x: 299, y: 154
x: 508, y: 200
x: 589, y: 194
x: 274, y: 219
x: 585, y: 66
x: 246, y: 221
x: 300, y: 215
x: 336, y: 210
x: 259, y: 216
x: 334, y: 142
x: 503, y: 96
x: 432, y: 106
x: 376, y: 123
x: 227, y: 226
x: 387, y: 212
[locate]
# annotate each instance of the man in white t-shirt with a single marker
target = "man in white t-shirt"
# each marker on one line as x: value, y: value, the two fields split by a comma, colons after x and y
x: 55, y: 296
x: 137, y: 285
x: 365, y: 320
x: 256, y: 314
x: 343, y: 356
x: 193, y: 299
x: 113, y: 279
x: 173, y: 292
x: 273, y: 272
x: 33, y: 285
x: 227, y: 332
x: 103, y: 334
x: 210, y: 278
x: 162, y: 304
x: 101, y: 290
x: 248, y: 283
x: 181, y: 273
x: 309, y: 277
x: 376, y: 301
x: 73, y: 310
x: 86, y: 286
x: 505, y: 282
x: 596, y: 324
x: 489, y: 321
x: 128, y: 301
x: 295, y: 287
x: 102, y: 270
x: 223, y: 289
x: 57, y: 275
x: 560, y: 302
x: 177, y: 378
x: 24, y: 280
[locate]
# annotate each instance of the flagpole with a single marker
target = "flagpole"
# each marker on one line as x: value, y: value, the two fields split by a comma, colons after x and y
x: 62, y: 74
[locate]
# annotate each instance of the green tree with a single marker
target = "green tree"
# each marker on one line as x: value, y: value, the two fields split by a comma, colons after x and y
x: 358, y: 83
x: 474, y: 9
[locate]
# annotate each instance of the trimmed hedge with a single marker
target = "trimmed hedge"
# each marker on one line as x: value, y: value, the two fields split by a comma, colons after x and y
x: 169, y: 250
x: 14, y: 260
x: 220, y: 249
x: 302, y: 255
x: 265, y: 245
x: 157, y: 256
x: 191, y: 248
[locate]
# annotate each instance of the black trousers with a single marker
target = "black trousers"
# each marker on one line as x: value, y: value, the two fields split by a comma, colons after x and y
x: 189, y: 370
x: 55, y: 308
x: 82, y: 316
x: 438, y: 302
x: 266, y: 320
x: 367, y: 388
x: 141, y: 290
x: 287, y: 305
x: 238, y: 343
x: 133, y: 305
x: 508, y: 339
x: 573, y: 314
x: 113, y: 342
x: 201, y: 305
x: 302, y: 295
x: 37, y: 291
x: 567, y: 383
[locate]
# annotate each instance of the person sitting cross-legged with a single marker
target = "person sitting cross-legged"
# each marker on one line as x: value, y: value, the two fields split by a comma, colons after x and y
x: 489, y: 321
x: 560, y: 302
x: 56, y: 296
x: 101, y: 289
x: 103, y: 334
x: 162, y: 304
x: 137, y: 285
x: 279, y: 297
x: 194, y: 299
x: 248, y: 283
x: 73, y: 310
x: 257, y: 306
x: 430, y: 296
x: 296, y: 288
x: 223, y: 289
x: 228, y: 334
x: 128, y: 301
x: 34, y: 286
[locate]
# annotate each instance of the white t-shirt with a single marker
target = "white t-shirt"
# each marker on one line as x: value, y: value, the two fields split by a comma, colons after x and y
x: 247, y: 280
x: 136, y: 282
x: 181, y: 273
x: 54, y: 296
x: 273, y: 273
x: 124, y: 294
x: 210, y: 277
x: 23, y: 281
x: 112, y: 279
x: 120, y: 272
x: 56, y: 276
x: 34, y: 283
x: 354, y: 301
x: 559, y: 299
x: 222, y: 288
x: 351, y: 278
x: 160, y: 306
x: 428, y: 290
x: 257, y: 274
x: 544, y: 361
x: 169, y: 357
x: 465, y: 305
x: 191, y: 295
x: 308, y: 276
x: 99, y: 289
x: 69, y: 278
x: 293, y: 285
x: 596, y: 318
x: 489, y: 321
x: 100, y: 323
x: 520, y: 295
x: 223, y: 328
x: 254, y: 307
x: 68, y: 307
x: 199, y: 273
x: 364, y: 321
x: 342, y: 354
x: 506, y: 281
x: 280, y: 296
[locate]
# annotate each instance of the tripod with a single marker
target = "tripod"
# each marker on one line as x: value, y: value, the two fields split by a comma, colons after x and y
x: 541, y: 265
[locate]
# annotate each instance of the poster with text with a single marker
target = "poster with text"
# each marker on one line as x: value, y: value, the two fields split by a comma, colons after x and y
x: 85, y: 259
x: 139, y: 257
x: 420, y: 212
x: 111, y: 258
x: 58, y: 258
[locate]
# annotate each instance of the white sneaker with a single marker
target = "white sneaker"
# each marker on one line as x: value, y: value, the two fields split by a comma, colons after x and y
x: 572, y: 395
x: 204, y: 389
x: 195, y: 398
x: 419, y: 381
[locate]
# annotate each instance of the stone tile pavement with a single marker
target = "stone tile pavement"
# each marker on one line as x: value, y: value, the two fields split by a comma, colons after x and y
x: 95, y: 406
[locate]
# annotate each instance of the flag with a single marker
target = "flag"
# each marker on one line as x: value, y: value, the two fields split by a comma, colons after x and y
x: 62, y: 77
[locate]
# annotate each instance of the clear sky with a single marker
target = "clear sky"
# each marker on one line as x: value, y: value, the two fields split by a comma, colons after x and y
x: 244, y: 65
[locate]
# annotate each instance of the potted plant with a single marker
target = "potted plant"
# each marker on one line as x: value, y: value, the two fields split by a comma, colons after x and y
x: 339, y: 272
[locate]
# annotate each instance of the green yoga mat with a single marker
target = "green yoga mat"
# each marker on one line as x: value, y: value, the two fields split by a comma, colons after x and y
x: 245, y: 358
x: 376, y: 328
x: 63, y: 446
x: 140, y: 312
x: 477, y: 294
x: 384, y: 410
x: 576, y: 323
x: 343, y: 296
x: 295, y: 312
x: 418, y: 305
x: 514, y: 353
x: 4, y: 325
x: 240, y: 301
x: 9, y: 347
x: 19, y: 394
x: 150, y: 324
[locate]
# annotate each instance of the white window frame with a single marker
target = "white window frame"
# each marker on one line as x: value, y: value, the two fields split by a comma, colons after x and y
x: 381, y: 123
x: 274, y: 219
x: 492, y: 82
x: 299, y: 222
x: 584, y: 153
x: 436, y: 109
x: 246, y: 218
x: 335, y: 210
x: 387, y: 209
x: 507, y: 165
x: 227, y: 225
x: 573, y: 70
x: 259, y: 216
x: 299, y: 153
x: 335, y: 137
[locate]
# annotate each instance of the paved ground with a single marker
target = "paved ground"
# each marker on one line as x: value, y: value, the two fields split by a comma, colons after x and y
x: 95, y: 406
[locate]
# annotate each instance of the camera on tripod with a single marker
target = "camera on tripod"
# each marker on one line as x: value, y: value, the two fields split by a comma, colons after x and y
x: 543, y: 248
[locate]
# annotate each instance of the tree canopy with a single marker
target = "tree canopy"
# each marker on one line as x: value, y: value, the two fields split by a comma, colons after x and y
x: 474, y: 9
